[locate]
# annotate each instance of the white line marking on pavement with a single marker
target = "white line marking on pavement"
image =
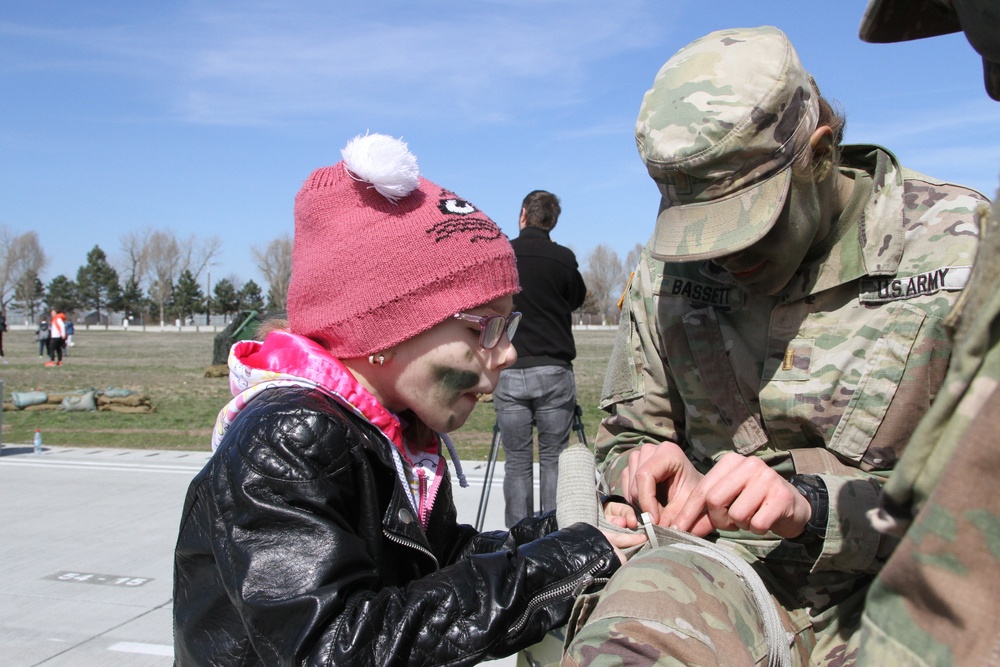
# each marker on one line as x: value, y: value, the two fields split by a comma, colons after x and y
x: 129, y: 467
x: 145, y: 649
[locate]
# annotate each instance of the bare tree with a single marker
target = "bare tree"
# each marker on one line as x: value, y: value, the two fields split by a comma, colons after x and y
x: 135, y: 248
x: 632, y: 258
x: 164, y: 257
x: 604, y: 278
x: 21, y: 259
x: 275, y: 262
x: 160, y: 258
x: 199, y: 253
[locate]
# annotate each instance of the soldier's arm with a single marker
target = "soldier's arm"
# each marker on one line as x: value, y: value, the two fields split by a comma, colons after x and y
x: 637, y: 394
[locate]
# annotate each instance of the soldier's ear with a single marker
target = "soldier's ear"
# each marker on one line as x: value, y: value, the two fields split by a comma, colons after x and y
x: 822, y: 138
x: 823, y: 152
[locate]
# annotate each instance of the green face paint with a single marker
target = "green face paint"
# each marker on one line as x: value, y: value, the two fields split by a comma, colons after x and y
x: 455, y: 381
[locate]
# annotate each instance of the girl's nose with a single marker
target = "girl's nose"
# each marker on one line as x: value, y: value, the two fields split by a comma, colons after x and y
x: 503, y: 355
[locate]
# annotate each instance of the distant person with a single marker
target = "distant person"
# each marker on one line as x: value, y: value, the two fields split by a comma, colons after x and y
x: 937, y: 599
x: 323, y: 530
x: 539, y: 389
x: 42, y: 336
x: 782, y: 335
x: 57, y: 338
x: 3, y: 329
x: 70, y: 330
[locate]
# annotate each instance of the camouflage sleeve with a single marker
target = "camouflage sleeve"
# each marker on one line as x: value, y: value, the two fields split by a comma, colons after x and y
x: 636, y: 394
x: 851, y: 543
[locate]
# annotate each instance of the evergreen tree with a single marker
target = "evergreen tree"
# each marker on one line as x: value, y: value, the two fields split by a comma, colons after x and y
x: 226, y: 299
x: 250, y: 297
x: 133, y: 302
x: 97, y: 282
x: 61, y: 294
x: 187, y: 298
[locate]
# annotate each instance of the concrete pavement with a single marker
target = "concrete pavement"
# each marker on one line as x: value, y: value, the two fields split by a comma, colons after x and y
x: 86, y: 552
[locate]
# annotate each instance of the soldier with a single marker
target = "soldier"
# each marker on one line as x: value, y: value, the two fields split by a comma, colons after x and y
x: 937, y: 600
x: 781, y: 335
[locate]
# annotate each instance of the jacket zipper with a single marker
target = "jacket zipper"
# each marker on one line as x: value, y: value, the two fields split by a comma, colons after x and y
x: 544, y: 597
x: 406, y: 542
x: 422, y: 499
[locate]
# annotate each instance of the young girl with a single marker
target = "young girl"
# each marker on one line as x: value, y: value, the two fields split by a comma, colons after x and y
x: 323, y: 530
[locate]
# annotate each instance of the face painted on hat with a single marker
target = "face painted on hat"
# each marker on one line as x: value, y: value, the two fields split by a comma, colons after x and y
x: 440, y: 373
x: 767, y: 266
x: 462, y: 218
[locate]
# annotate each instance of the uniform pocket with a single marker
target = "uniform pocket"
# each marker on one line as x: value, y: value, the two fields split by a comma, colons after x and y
x: 583, y: 607
x: 623, y: 381
x: 888, y: 359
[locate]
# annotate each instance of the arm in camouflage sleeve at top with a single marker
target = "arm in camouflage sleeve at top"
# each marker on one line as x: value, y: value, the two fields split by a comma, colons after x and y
x: 845, y: 360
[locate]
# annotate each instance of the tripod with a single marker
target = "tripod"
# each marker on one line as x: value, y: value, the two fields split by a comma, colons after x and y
x: 491, y: 461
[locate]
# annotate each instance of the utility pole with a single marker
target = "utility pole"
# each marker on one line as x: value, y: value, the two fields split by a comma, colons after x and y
x: 208, y: 297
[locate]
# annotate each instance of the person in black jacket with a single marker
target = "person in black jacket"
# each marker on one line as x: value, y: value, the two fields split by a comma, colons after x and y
x: 539, y: 389
x: 323, y: 531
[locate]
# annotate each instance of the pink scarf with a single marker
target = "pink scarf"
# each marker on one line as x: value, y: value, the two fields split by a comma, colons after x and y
x: 289, y: 360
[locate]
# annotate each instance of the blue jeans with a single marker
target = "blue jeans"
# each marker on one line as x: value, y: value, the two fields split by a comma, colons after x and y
x: 543, y: 397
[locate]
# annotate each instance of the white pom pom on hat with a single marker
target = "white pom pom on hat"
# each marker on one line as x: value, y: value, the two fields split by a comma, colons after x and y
x: 383, y: 161
x: 381, y: 254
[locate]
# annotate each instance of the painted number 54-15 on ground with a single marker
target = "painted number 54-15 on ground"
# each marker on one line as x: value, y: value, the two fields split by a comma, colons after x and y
x: 102, y: 579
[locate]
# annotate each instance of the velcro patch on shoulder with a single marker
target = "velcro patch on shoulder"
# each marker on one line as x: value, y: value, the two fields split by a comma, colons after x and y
x: 882, y: 290
x: 712, y: 294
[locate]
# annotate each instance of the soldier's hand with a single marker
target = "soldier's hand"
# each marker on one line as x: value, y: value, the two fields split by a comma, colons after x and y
x: 658, y: 477
x: 744, y: 492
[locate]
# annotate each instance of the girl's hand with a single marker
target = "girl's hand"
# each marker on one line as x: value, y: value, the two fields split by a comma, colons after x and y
x: 623, y: 541
x: 621, y: 515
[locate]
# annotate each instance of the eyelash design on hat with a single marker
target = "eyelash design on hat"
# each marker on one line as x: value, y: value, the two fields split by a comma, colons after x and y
x: 457, y: 222
x: 456, y: 206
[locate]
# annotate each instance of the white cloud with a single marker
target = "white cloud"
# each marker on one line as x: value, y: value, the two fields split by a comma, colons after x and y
x: 253, y: 64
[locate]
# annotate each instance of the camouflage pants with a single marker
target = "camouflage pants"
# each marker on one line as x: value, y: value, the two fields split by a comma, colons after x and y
x: 671, y: 607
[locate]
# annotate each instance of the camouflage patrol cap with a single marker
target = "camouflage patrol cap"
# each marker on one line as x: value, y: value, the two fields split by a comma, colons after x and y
x: 718, y: 132
x: 903, y: 20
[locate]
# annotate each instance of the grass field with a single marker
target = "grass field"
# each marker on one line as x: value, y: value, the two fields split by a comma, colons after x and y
x: 169, y: 367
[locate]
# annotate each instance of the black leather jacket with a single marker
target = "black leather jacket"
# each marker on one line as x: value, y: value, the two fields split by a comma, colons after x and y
x: 298, y: 546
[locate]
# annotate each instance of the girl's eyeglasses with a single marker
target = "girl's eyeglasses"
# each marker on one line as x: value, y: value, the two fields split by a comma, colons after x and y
x: 491, y: 327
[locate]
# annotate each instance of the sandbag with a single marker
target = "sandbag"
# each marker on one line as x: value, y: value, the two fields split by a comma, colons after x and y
x: 23, y: 399
x: 116, y: 392
x: 40, y: 407
x: 130, y: 401
x: 79, y: 402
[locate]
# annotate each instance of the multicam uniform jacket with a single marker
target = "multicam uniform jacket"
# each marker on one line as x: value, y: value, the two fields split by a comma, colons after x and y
x: 937, y: 601
x: 830, y: 376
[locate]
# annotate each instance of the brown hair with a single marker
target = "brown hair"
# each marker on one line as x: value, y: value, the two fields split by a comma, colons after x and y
x: 541, y: 209
x: 834, y: 117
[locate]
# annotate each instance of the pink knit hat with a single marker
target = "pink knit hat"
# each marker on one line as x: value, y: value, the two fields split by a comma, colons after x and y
x: 382, y: 254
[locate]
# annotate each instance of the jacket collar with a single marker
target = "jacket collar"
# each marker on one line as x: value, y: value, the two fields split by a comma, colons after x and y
x: 534, y: 233
x: 287, y: 359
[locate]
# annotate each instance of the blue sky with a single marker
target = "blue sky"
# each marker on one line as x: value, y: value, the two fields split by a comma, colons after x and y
x: 204, y: 118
